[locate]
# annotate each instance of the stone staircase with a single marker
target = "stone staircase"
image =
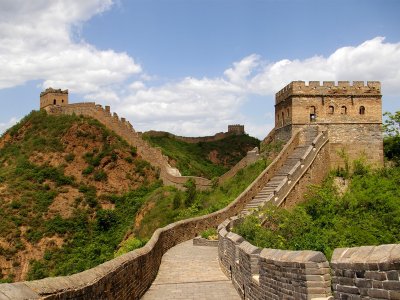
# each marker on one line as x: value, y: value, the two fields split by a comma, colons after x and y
x: 281, y: 177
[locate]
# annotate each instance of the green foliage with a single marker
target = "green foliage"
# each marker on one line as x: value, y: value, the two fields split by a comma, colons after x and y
x: 164, y: 211
x: 91, y: 241
x: 69, y: 157
x: 392, y: 124
x: 90, y: 235
x: 210, y: 234
x: 100, y: 175
x: 177, y: 201
x: 367, y: 214
x: 130, y: 245
x: 193, y: 159
x: 391, y: 141
x: 106, y: 219
x: 190, y: 193
x: 272, y: 148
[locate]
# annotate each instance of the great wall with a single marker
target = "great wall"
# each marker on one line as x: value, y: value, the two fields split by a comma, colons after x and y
x: 308, y: 126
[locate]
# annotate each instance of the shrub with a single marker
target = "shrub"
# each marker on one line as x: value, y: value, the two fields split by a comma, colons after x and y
x: 106, y: 219
x: 100, y: 175
x: 190, y: 193
x: 88, y: 170
x: 69, y: 157
x: 210, y: 234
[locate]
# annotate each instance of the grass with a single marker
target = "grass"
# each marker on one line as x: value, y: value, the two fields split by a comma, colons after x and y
x: 193, y: 160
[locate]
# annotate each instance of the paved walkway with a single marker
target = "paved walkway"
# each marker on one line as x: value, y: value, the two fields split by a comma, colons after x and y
x: 191, y: 272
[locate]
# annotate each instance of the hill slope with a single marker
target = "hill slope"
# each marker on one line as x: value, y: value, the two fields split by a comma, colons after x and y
x: 69, y: 189
x: 204, y: 159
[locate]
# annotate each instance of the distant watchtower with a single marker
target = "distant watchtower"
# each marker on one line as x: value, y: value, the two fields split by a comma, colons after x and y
x: 352, y: 115
x: 236, y: 129
x: 52, y: 96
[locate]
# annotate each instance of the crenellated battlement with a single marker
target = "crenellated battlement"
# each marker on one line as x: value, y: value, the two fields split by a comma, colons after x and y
x: 328, y: 88
x: 51, y: 90
x: 236, y: 129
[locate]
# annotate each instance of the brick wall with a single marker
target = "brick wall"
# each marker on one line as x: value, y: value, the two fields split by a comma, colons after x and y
x: 272, y: 274
x: 369, y: 272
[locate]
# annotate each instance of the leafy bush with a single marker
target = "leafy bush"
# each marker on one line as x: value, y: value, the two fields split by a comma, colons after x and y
x: 367, y: 214
x: 130, y: 245
x: 210, y: 234
x: 100, y: 175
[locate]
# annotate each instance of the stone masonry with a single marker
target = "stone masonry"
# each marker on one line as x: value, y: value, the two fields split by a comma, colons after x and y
x: 52, y: 96
x: 352, y: 115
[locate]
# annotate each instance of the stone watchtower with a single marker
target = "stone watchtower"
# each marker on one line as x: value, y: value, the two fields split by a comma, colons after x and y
x: 52, y: 96
x: 236, y: 129
x: 352, y: 115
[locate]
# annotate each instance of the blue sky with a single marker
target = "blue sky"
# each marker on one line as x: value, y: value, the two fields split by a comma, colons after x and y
x: 191, y: 67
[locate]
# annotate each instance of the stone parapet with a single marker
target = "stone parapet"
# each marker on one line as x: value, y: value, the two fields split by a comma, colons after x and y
x: 270, y: 273
x: 314, y: 88
x: 370, y: 272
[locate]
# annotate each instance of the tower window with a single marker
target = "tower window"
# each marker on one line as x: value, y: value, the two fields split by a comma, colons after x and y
x: 62, y: 101
x: 362, y: 110
x: 313, y: 115
x: 283, y: 118
x: 287, y: 113
x: 54, y: 101
x: 331, y: 109
x: 344, y: 110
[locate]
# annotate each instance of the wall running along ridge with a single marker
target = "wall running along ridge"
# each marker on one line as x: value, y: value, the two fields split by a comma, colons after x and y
x: 123, y: 128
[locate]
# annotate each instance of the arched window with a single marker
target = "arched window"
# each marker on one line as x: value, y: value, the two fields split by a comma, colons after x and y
x: 54, y: 101
x: 313, y: 114
x: 344, y: 110
x: 331, y: 109
x: 362, y: 110
x: 287, y: 113
x: 283, y: 118
x: 62, y: 100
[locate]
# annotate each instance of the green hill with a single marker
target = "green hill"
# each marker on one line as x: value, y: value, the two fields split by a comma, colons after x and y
x: 73, y: 194
x: 69, y: 189
x: 204, y: 159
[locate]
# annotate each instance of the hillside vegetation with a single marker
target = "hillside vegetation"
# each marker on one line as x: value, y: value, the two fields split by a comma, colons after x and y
x: 204, y: 159
x: 368, y: 213
x: 167, y: 204
x: 69, y: 189
x: 73, y: 194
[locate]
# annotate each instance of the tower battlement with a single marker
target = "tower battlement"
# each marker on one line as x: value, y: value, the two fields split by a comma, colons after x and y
x: 329, y: 88
x: 236, y: 129
x: 52, y: 96
x: 351, y: 112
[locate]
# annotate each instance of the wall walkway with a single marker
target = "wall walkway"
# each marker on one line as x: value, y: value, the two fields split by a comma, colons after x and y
x: 191, y: 272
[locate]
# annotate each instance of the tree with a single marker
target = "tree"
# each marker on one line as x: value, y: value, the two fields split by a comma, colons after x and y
x: 391, y: 141
x: 190, y: 193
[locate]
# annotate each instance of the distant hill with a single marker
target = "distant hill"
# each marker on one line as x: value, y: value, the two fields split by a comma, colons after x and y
x: 65, y: 182
x: 204, y: 159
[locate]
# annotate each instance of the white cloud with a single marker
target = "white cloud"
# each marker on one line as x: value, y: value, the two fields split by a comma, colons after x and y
x: 4, y: 126
x: 205, y: 106
x: 37, y: 43
x: 39, y: 40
